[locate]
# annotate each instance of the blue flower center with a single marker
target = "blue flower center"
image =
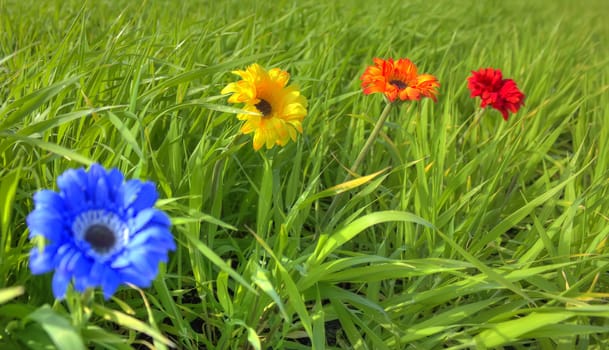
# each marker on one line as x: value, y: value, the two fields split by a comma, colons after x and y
x: 100, y: 233
x: 100, y: 237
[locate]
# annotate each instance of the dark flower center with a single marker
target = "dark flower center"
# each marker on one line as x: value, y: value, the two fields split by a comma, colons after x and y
x: 100, y: 237
x: 398, y: 83
x: 264, y: 107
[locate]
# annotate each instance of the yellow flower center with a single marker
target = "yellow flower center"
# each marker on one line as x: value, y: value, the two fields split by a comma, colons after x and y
x: 398, y: 84
x: 264, y: 107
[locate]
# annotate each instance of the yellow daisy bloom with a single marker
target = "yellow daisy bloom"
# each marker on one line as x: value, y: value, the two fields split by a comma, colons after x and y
x: 278, y: 110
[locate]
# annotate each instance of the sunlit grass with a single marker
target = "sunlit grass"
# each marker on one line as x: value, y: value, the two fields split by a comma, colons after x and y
x: 463, y: 235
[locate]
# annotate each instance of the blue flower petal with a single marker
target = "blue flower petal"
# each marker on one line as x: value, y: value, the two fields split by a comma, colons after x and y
x: 150, y: 216
x: 49, y: 200
x: 110, y: 282
x: 135, y: 277
x: 77, y: 263
x: 155, y: 246
x: 73, y: 186
x: 81, y: 284
x: 60, y: 284
x: 82, y: 266
x: 144, y: 236
x: 114, y: 179
x: 139, y: 195
x: 140, y: 260
x: 157, y: 257
x: 81, y: 272
x: 95, y: 173
x: 60, y: 252
x: 42, y: 262
x: 97, y: 270
x: 131, y: 188
x: 46, y: 223
x: 101, y: 193
x: 121, y: 261
x: 67, y: 260
x: 168, y: 244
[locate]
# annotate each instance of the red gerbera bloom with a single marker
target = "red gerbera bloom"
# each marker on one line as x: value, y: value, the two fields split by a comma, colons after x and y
x: 501, y: 94
x: 398, y: 80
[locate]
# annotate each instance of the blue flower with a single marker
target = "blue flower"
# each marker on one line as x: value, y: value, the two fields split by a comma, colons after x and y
x: 100, y: 230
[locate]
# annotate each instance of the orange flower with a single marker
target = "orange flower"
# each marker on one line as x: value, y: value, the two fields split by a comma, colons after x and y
x: 398, y: 80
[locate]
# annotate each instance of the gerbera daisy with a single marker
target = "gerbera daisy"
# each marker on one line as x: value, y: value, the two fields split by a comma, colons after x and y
x: 278, y: 110
x: 501, y: 94
x: 100, y: 231
x: 398, y: 80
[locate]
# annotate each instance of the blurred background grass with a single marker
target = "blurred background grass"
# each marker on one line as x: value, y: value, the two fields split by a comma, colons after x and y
x: 475, y: 235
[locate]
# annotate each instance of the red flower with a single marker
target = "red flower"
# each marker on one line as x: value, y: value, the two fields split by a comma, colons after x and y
x: 398, y: 80
x: 501, y: 94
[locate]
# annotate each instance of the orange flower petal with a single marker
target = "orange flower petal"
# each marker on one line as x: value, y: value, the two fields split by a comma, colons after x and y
x: 398, y: 79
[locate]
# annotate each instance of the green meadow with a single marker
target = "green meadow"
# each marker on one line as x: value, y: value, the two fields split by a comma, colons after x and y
x: 458, y: 231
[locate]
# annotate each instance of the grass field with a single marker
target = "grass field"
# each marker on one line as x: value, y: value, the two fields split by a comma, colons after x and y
x: 461, y: 230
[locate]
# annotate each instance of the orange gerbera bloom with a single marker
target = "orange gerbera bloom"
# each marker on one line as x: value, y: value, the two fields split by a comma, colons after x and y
x: 277, y: 110
x: 398, y: 80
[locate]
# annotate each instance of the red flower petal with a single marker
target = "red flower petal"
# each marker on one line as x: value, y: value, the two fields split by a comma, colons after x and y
x: 501, y: 94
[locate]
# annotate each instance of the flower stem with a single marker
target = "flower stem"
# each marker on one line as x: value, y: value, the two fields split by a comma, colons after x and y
x: 373, y: 135
x: 477, y: 116
x: 361, y: 156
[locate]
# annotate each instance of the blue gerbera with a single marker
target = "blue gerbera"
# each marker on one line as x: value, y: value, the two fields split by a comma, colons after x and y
x: 101, y: 231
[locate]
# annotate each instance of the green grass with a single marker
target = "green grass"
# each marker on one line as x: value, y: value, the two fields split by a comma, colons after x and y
x: 475, y: 235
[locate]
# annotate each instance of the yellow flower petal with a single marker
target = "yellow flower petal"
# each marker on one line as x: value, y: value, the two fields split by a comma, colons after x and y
x: 258, y: 140
x: 279, y: 76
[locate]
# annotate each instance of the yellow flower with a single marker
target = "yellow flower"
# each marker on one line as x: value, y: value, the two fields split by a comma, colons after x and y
x: 278, y: 110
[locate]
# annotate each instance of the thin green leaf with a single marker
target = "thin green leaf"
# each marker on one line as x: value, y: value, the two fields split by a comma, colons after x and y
x: 59, y: 329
